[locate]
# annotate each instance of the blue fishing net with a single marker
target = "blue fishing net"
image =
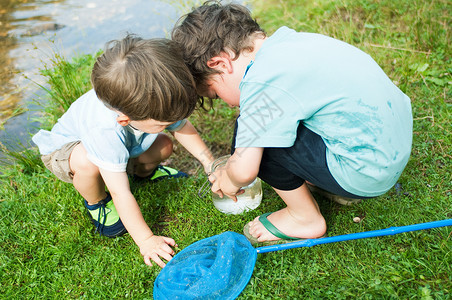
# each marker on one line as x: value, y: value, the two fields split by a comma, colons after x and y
x: 217, y: 267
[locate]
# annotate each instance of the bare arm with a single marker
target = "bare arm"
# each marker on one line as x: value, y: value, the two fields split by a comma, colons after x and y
x: 151, y: 246
x: 241, y: 170
x: 189, y: 138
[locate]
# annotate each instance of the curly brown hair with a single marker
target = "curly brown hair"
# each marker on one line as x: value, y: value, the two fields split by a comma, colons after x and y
x: 145, y: 79
x: 210, y: 29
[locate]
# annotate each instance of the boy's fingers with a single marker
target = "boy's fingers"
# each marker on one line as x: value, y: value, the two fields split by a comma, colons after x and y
x: 212, y: 178
x: 166, y: 249
x: 216, y: 189
x: 147, y: 261
x: 169, y: 241
x: 167, y: 256
x: 234, y: 198
x: 157, y: 260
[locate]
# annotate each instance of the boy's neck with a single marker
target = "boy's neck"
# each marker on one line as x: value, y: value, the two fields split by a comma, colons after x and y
x: 245, y: 57
x: 257, y: 44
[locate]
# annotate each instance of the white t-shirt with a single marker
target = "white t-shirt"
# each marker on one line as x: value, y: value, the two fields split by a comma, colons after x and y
x: 109, y: 145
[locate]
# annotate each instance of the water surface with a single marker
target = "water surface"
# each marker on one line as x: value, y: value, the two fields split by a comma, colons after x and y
x: 31, y: 32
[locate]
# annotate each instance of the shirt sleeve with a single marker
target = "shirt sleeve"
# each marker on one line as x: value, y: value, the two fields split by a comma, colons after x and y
x: 269, y: 117
x: 106, y: 149
x: 177, y: 126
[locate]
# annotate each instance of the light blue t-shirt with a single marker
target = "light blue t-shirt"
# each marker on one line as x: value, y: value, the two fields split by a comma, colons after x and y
x: 108, y: 144
x: 338, y: 92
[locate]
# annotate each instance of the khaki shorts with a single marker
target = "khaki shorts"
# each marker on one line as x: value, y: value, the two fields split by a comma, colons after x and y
x: 58, y: 162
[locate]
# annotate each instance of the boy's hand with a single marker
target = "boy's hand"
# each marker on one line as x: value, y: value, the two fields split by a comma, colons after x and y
x: 208, y: 167
x: 222, y: 185
x: 157, y: 247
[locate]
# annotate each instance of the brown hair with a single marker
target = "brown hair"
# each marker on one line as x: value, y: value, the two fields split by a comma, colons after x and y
x: 211, y: 29
x: 145, y: 79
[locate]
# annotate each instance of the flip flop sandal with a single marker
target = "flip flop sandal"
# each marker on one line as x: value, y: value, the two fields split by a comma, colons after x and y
x: 272, y: 229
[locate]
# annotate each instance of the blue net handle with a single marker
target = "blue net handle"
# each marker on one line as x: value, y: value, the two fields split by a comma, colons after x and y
x: 355, y: 236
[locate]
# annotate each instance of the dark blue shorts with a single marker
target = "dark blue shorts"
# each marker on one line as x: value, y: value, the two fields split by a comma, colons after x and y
x: 288, y: 168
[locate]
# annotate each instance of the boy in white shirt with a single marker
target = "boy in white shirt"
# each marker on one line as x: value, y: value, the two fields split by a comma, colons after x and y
x: 141, y: 87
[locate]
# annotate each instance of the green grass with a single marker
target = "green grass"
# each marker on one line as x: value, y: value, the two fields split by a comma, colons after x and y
x: 48, y: 248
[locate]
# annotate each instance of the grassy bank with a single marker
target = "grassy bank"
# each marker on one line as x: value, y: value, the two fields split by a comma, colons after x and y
x: 48, y: 249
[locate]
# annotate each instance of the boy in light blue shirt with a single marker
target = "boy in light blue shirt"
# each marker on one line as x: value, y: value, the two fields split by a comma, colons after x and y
x: 315, y: 114
x: 141, y: 87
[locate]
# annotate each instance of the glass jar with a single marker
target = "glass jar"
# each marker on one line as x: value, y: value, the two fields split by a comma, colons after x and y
x: 247, y: 201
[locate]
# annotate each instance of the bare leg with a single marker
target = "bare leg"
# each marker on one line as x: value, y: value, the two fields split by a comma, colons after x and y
x: 87, y: 180
x: 160, y: 150
x: 301, y: 218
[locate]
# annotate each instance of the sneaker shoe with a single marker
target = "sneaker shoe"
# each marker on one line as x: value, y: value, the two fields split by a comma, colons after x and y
x: 162, y: 172
x: 336, y: 198
x: 105, y: 218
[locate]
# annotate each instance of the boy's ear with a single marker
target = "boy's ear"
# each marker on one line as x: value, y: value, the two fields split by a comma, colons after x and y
x: 221, y: 63
x: 123, y: 120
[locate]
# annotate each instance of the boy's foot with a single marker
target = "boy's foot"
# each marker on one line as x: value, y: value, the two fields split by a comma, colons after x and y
x: 281, y: 227
x: 283, y: 238
x: 105, y: 218
x: 162, y: 172
x: 336, y: 198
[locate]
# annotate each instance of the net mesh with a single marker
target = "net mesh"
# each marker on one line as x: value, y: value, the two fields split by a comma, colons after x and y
x: 217, y: 267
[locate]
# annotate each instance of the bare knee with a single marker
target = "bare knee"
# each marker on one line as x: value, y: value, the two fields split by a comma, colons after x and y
x: 161, y: 149
x: 165, y: 145
x: 80, y: 164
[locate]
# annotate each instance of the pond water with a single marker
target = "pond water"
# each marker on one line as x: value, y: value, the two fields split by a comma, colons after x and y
x: 31, y: 32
